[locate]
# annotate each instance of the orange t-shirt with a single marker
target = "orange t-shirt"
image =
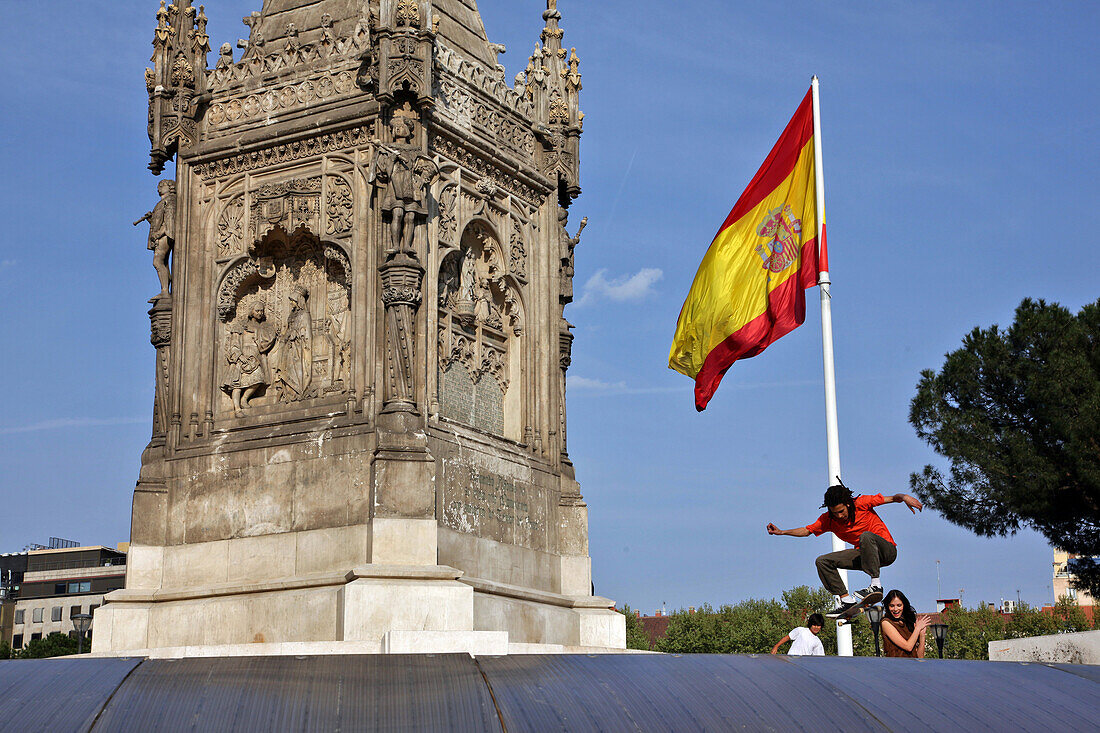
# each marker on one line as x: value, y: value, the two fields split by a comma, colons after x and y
x: 866, y: 520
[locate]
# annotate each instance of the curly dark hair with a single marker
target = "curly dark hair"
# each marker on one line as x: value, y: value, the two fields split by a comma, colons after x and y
x: 841, y: 494
x: 908, y: 613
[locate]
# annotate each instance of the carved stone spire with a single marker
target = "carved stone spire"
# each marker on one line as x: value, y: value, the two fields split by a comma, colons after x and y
x: 552, y: 80
x: 178, y: 77
x: 406, y: 37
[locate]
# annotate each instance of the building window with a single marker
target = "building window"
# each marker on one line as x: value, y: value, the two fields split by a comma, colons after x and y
x: 36, y: 636
x: 19, y: 616
x: 36, y: 615
x: 55, y: 613
x: 74, y: 610
x: 80, y: 586
x: 17, y: 641
x: 1073, y: 594
x: 59, y: 589
x: 92, y: 608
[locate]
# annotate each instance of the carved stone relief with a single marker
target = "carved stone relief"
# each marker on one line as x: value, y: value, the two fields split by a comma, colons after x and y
x: 452, y: 62
x: 285, y: 325
x: 518, y: 252
x: 317, y: 89
x: 231, y: 223
x: 338, y: 207
x: 448, y: 214
x: 285, y: 152
x: 477, y: 163
x: 290, y: 205
x: 463, y: 107
x: 479, y: 321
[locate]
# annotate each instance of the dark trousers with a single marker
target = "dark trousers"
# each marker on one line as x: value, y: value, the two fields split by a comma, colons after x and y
x: 874, y: 552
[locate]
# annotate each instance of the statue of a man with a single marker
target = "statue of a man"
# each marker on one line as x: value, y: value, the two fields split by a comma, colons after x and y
x: 162, y: 233
x: 246, y: 351
x: 406, y: 173
x: 297, y: 345
x: 566, y: 245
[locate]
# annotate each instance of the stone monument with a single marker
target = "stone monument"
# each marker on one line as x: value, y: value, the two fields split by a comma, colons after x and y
x: 359, y: 425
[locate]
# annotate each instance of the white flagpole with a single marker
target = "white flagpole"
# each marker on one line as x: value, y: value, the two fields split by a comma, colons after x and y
x: 832, y: 435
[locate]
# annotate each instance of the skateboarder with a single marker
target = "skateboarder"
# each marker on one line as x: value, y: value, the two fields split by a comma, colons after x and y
x: 853, y: 519
x: 805, y: 638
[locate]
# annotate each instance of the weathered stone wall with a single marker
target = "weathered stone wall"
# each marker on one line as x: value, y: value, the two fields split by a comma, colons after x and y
x: 360, y: 336
x: 1079, y: 648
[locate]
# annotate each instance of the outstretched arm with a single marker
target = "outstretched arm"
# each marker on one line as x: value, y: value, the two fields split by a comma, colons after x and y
x: 781, y: 642
x: 796, y: 532
x: 912, y: 502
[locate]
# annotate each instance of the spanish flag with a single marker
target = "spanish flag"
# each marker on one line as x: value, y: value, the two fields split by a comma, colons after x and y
x: 749, y: 290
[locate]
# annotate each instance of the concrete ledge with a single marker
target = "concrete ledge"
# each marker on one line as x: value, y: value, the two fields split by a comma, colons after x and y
x: 565, y: 649
x: 225, y: 589
x: 474, y: 643
x: 285, y: 649
x: 404, y: 572
x: 1080, y: 648
x: 481, y: 585
x: 319, y: 580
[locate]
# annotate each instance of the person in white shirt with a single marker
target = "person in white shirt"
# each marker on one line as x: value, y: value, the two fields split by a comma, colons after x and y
x: 804, y: 638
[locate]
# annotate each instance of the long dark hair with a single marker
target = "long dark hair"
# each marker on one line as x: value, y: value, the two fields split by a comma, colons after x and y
x: 908, y: 614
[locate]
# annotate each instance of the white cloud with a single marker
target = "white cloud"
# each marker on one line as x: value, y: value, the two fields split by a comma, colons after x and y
x: 73, y: 422
x: 594, y: 384
x: 621, y: 289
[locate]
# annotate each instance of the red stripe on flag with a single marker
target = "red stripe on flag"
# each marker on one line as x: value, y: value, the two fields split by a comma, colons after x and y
x: 780, y: 161
x: 786, y: 312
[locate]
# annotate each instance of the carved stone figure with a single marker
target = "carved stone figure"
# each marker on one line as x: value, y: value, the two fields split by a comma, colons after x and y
x: 296, y: 347
x: 405, y: 172
x: 162, y: 233
x: 338, y: 330
x: 247, y: 353
x: 566, y: 245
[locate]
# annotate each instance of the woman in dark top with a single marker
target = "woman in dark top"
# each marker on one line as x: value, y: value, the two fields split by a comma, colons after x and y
x: 902, y: 631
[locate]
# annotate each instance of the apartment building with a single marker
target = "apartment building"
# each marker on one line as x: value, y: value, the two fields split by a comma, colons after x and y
x: 58, y: 584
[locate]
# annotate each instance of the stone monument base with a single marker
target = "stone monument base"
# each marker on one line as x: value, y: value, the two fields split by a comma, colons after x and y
x: 369, y: 609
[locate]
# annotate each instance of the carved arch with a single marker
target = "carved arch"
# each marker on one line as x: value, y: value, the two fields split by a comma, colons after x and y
x: 480, y: 334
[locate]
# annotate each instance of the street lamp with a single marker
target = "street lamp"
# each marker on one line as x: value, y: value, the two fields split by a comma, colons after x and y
x: 81, y: 622
x: 874, y: 615
x: 940, y: 632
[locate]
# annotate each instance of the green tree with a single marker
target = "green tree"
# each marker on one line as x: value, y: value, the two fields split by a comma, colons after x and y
x: 695, y: 633
x: 636, y: 636
x: 54, y: 645
x: 1029, y: 621
x: 754, y: 626
x: 1070, y: 616
x: 968, y: 633
x: 802, y: 600
x: 5, y: 650
x: 1017, y: 414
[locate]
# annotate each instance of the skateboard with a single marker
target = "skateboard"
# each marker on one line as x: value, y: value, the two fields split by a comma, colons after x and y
x: 852, y: 613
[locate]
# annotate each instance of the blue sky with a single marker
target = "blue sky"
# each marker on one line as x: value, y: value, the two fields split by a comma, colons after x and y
x: 959, y: 142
